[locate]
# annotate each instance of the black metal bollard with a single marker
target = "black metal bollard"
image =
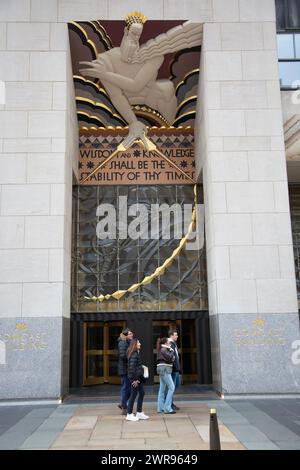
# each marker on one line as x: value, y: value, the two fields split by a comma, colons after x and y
x: 214, y: 435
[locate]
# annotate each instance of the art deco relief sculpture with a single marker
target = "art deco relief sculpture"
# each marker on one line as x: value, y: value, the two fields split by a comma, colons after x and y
x: 129, y: 72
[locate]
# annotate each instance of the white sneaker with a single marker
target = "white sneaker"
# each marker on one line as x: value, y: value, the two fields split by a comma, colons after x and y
x: 131, y: 417
x: 142, y: 416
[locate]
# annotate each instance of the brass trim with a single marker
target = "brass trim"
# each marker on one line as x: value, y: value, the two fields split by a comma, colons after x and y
x: 88, y: 40
x: 189, y: 113
x: 102, y: 32
x: 102, y: 90
x: 100, y: 105
x: 92, y: 116
x: 190, y: 98
x: 191, y: 72
x: 145, y: 110
x: 116, y: 128
x: 105, y: 32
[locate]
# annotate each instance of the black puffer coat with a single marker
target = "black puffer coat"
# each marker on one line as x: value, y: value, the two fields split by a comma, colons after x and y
x: 165, y: 356
x: 135, y: 367
x: 123, y: 344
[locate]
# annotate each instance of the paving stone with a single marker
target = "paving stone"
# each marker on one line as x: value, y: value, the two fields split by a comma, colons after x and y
x: 101, y: 426
x: 275, y: 407
x: 149, y: 425
x: 81, y: 422
x: 293, y: 426
x: 65, y: 410
x: 12, y: 441
x: 260, y: 446
x: 247, y: 433
x: 226, y: 435
x: 180, y: 431
x: 41, y: 412
x: 232, y: 446
x: 130, y: 447
x: 4, y: 428
x: 10, y: 415
x: 292, y: 406
x: 178, y: 415
x: 38, y: 440
x: 178, y: 440
x: 243, y: 405
x: 113, y: 442
x: 277, y: 432
x: 269, y: 426
x: 288, y: 445
x: 73, y: 438
x: 26, y: 425
x: 98, y: 411
x: 73, y: 448
x: 145, y: 435
x: 111, y: 418
x: 191, y: 446
x: 107, y: 431
x: 201, y: 422
x: 232, y: 417
x: 53, y: 424
x: 161, y: 447
x: 203, y: 431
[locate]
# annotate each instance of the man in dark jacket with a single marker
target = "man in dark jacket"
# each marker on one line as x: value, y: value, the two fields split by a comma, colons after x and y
x: 173, y: 337
x: 123, y: 343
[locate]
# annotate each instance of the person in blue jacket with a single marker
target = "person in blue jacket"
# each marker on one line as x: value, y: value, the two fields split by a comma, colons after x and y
x: 123, y: 343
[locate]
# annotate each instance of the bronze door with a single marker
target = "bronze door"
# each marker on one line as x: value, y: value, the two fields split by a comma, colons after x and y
x: 100, y: 356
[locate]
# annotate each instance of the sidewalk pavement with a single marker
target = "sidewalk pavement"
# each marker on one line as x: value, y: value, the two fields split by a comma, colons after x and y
x: 243, y: 424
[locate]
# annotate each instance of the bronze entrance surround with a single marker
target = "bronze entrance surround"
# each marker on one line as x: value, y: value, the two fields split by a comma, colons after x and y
x: 100, y: 355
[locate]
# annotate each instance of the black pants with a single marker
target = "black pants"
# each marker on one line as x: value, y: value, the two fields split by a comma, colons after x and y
x: 134, y: 391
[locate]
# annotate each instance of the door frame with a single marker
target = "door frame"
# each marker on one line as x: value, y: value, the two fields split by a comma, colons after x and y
x: 105, y: 353
x: 141, y: 323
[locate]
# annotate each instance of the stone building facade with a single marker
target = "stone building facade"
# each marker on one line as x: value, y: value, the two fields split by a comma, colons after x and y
x: 240, y: 156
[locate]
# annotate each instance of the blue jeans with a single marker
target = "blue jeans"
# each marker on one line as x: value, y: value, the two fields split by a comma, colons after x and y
x: 125, y: 390
x: 166, y: 390
x: 176, y: 380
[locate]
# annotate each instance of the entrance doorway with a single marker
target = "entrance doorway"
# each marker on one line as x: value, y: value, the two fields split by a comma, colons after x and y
x: 100, y: 357
x: 100, y: 364
x: 94, y: 345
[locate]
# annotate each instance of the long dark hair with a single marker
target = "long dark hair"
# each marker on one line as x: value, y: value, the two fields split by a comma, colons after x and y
x: 159, y: 343
x: 132, y: 347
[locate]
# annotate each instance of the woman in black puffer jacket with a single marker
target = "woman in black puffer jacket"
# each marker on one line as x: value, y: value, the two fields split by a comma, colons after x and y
x: 135, y: 376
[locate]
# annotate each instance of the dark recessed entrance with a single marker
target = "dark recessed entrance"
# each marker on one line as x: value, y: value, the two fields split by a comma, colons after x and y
x: 94, y: 353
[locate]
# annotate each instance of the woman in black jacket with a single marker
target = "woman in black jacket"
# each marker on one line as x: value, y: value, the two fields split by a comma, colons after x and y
x: 135, y: 376
x: 165, y: 361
